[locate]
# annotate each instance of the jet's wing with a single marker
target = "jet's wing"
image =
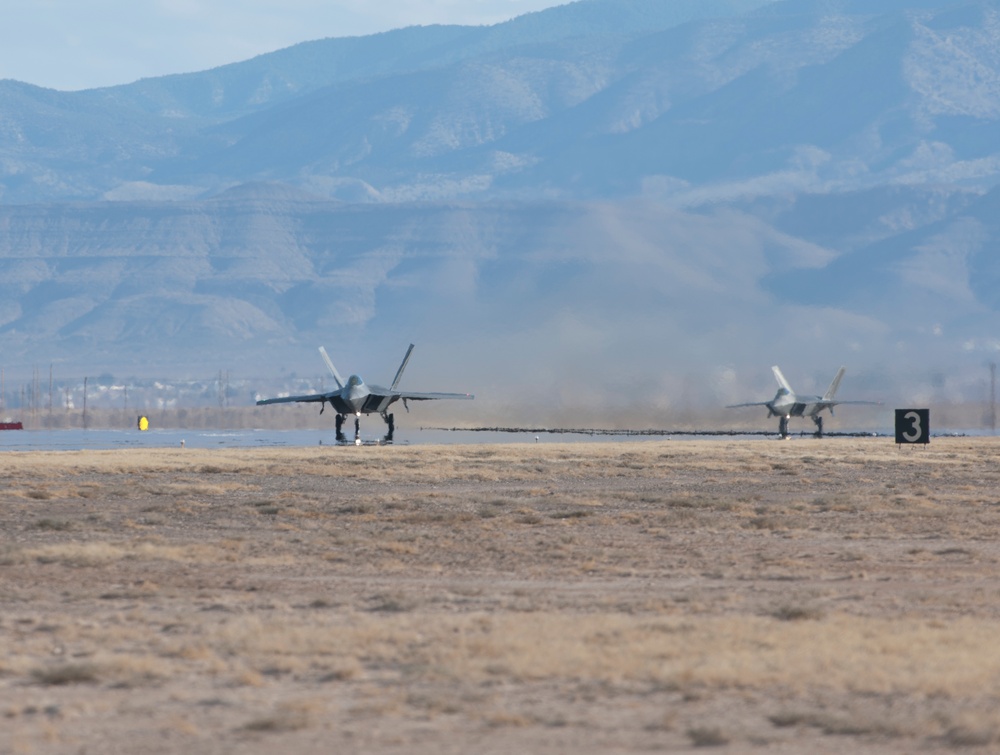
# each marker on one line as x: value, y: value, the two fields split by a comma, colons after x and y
x: 332, y: 398
x: 753, y: 403
x: 380, y: 399
x: 817, y: 405
x: 291, y: 399
x: 431, y: 396
x: 825, y: 402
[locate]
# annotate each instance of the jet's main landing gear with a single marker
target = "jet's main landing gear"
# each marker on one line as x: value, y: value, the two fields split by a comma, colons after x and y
x: 390, y: 421
x: 340, y: 428
x: 783, y: 427
x: 819, y: 426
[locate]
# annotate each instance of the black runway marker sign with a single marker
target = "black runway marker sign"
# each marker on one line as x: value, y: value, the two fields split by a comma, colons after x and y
x: 913, y: 426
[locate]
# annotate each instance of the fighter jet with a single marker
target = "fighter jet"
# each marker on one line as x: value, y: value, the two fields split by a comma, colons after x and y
x: 786, y: 404
x: 357, y: 398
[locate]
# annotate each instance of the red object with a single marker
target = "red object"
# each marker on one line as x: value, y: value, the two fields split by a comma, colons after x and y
x: 11, y: 426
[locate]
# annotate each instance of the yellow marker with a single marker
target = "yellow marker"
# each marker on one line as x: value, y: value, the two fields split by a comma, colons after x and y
x: 143, y: 424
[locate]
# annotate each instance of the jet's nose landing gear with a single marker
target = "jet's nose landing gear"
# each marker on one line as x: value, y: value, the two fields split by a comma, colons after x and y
x: 340, y: 428
x: 357, y: 427
x: 819, y: 426
x: 390, y: 421
x: 783, y: 427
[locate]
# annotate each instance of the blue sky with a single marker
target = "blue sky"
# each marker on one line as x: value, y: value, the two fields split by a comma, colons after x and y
x: 69, y: 44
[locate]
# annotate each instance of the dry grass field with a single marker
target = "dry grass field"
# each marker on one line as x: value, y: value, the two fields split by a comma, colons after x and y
x: 743, y: 596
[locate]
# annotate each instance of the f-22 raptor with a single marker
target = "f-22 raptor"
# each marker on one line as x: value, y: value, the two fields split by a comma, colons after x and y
x: 786, y: 404
x: 357, y: 398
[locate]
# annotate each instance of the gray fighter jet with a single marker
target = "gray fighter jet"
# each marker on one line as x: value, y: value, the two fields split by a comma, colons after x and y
x: 357, y: 398
x: 786, y: 404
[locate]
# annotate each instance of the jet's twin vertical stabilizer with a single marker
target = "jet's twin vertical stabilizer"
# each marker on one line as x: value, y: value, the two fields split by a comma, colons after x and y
x: 333, y: 370
x: 781, y: 379
x: 399, y: 372
x: 832, y: 390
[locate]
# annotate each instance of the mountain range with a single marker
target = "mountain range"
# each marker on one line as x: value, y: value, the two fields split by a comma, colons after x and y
x: 614, y: 202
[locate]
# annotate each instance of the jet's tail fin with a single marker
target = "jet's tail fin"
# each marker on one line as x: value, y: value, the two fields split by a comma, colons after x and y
x: 399, y: 372
x: 333, y: 370
x: 832, y: 390
x: 781, y: 379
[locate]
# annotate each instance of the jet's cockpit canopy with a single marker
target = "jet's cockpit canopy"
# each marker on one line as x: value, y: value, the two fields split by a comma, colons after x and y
x: 354, y: 381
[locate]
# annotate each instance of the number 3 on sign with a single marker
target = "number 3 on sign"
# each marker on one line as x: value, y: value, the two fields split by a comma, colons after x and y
x: 913, y: 426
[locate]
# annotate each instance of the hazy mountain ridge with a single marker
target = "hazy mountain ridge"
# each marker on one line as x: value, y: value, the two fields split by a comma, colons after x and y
x: 836, y: 95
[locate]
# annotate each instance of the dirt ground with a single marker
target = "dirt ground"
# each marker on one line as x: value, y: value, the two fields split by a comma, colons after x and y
x: 747, y: 596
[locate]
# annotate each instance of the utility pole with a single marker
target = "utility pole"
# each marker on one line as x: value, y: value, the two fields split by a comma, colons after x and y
x: 993, y: 397
x: 85, y: 403
x: 50, y: 395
